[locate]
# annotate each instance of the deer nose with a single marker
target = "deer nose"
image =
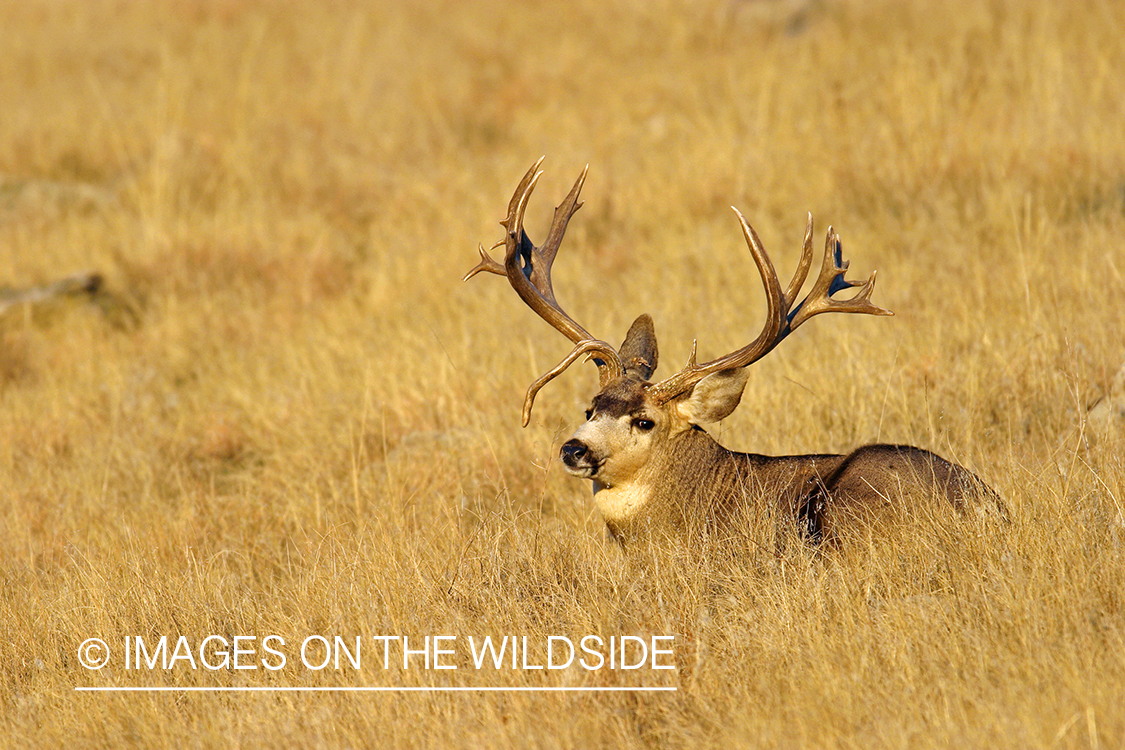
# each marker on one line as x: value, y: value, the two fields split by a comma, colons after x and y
x: 572, y: 452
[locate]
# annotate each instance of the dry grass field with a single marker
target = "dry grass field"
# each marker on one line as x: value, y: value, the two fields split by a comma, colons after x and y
x: 283, y: 412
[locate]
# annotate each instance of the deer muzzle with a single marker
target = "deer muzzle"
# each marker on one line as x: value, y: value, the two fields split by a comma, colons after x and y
x: 578, y: 459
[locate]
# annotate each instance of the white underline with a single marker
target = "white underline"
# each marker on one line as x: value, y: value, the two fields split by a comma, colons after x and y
x: 116, y: 689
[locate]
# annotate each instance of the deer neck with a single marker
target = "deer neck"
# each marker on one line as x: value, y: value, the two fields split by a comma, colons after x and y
x: 668, y: 489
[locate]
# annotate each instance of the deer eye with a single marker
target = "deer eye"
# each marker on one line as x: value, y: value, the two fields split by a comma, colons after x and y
x: 644, y: 425
x: 589, y: 413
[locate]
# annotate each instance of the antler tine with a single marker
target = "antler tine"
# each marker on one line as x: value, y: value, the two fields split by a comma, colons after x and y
x: 486, y: 263
x: 563, y: 212
x: 523, y: 191
x: 830, y: 281
x: 538, y: 270
x: 612, y: 369
x: 776, y: 309
x: 527, y: 267
x: 803, y: 266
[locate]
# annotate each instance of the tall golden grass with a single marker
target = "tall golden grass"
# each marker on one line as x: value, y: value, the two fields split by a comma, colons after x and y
x: 285, y: 413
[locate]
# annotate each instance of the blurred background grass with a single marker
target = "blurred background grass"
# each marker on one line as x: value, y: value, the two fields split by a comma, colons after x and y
x: 284, y: 412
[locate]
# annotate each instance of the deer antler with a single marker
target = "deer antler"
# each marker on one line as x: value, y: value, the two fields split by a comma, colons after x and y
x: 782, y: 317
x: 528, y: 269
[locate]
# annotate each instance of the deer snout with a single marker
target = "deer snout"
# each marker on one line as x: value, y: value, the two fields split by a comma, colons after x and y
x: 577, y: 458
x: 572, y: 452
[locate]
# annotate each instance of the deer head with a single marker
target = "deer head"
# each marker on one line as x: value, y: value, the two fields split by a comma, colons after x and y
x: 633, y: 424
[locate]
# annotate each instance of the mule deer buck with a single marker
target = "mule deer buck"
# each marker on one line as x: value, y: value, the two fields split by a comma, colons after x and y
x: 654, y: 468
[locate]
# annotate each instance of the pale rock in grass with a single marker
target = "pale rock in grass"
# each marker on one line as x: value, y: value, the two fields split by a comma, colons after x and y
x: 1106, y: 418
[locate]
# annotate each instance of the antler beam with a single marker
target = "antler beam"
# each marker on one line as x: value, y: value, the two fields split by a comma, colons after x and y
x: 528, y: 270
x: 782, y: 317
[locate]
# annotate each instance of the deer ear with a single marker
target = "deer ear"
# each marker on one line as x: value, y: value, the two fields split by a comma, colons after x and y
x: 638, y: 353
x: 714, y: 397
